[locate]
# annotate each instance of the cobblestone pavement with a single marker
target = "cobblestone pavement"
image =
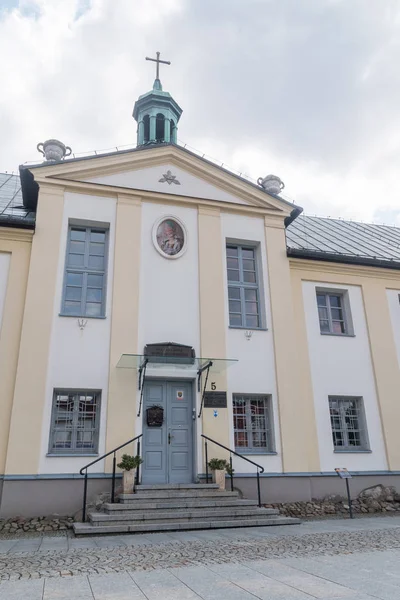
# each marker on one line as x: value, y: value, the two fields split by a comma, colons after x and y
x: 342, y: 559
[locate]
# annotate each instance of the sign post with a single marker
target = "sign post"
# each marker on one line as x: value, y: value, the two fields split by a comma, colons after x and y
x: 344, y: 474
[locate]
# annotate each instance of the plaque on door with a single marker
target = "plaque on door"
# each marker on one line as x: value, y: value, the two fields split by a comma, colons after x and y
x: 155, y: 416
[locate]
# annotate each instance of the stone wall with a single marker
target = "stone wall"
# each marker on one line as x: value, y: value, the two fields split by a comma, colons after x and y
x: 41, y: 524
x: 376, y: 499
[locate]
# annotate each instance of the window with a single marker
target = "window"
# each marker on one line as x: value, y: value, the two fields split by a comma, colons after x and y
x: 331, y: 312
x: 75, y: 422
x: 349, y: 431
x: 84, y: 285
x: 252, y: 423
x: 243, y: 289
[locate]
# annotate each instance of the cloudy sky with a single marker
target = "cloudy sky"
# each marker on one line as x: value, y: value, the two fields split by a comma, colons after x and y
x: 306, y: 89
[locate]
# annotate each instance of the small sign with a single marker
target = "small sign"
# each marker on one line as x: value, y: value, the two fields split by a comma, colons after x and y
x: 215, y: 400
x: 180, y: 395
x: 343, y: 473
x: 215, y: 413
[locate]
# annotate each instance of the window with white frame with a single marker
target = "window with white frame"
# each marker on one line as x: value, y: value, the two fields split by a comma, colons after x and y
x: 332, y: 313
x: 75, y: 422
x: 348, y: 423
x: 243, y: 287
x: 252, y: 423
x: 85, y: 272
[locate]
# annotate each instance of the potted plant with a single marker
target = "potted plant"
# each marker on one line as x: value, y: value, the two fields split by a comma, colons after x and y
x: 129, y: 464
x: 218, y: 468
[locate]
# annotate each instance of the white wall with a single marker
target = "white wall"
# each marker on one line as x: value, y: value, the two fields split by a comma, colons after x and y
x: 342, y: 365
x: 4, y: 267
x: 79, y: 359
x: 149, y: 179
x: 169, y: 292
x: 394, y: 309
x: 255, y: 371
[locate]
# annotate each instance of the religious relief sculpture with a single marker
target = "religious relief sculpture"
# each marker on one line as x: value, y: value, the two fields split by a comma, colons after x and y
x: 169, y: 237
x: 169, y: 178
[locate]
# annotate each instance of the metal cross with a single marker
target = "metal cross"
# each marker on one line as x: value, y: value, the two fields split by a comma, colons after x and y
x: 158, y: 61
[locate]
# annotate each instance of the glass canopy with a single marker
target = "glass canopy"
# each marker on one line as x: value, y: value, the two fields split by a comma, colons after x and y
x: 135, y: 361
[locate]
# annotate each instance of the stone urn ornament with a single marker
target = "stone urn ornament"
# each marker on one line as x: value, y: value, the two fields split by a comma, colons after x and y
x: 271, y: 183
x: 129, y: 464
x: 218, y: 467
x: 54, y: 150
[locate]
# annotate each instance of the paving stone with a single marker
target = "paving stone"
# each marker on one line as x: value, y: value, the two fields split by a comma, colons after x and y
x: 115, y: 587
x: 162, y: 585
x: 209, y: 585
x: 67, y: 588
x: 22, y: 590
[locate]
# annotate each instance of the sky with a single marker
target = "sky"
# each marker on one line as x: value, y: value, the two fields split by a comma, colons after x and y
x: 306, y: 89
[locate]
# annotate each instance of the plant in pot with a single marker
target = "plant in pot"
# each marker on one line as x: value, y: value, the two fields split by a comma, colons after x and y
x: 218, y: 468
x: 129, y: 464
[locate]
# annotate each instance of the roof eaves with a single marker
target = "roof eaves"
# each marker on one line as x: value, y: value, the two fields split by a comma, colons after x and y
x: 342, y: 258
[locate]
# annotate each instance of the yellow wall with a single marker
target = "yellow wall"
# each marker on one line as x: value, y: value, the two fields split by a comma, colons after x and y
x: 374, y: 283
x: 29, y: 394
x: 212, y: 318
x: 296, y: 407
x: 121, y: 411
x: 18, y: 244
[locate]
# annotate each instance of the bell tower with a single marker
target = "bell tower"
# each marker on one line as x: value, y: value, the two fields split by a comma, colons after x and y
x: 156, y: 112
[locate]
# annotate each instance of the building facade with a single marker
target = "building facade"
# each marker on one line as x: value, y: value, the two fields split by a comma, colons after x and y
x: 273, y: 334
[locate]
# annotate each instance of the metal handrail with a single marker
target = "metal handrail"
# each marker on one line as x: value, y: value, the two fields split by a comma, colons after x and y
x: 260, y: 469
x: 85, y: 468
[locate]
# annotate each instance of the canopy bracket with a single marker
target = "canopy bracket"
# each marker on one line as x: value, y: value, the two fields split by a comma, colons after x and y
x: 206, y: 368
x: 141, y: 380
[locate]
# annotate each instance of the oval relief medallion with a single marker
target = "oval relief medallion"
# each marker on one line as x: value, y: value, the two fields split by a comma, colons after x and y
x: 169, y: 237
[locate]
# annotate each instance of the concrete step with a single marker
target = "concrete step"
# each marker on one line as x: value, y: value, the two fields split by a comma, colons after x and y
x: 89, y: 529
x: 159, y: 516
x: 175, y: 493
x: 176, y: 486
x: 132, y: 507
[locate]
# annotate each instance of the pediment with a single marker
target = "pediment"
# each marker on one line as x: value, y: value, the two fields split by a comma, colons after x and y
x: 165, y: 170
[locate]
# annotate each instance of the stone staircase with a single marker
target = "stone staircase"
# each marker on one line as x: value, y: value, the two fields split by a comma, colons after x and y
x: 177, y: 507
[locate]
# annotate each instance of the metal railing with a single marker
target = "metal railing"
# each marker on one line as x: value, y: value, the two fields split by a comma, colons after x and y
x: 260, y: 469
x: 114, y: 451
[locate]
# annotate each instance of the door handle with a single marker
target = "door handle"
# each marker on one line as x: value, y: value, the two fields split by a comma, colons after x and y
x: 170, y: 438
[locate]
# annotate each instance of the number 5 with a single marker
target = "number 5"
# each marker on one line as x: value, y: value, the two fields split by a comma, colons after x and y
x: 213, y: 386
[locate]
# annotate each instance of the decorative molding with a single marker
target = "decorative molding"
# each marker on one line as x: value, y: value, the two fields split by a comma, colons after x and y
x: 131, y: 160
x: 321, y: 268
x: 169, y: 178
x: 13, y: 234
x: 82, y: 323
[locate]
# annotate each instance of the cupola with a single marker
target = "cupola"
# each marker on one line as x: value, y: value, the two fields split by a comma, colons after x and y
x: 156, y: 112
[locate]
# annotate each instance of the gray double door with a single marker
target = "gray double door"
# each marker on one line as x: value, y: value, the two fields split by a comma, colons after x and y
x: 168, y: 448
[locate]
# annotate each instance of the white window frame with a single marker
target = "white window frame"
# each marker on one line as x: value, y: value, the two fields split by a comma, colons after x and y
x: 345, y: 308
x: 74, y: 450
x: 269, y: 448
x: 85, y: 271
x: 344, y: 428
x: 244, y: 286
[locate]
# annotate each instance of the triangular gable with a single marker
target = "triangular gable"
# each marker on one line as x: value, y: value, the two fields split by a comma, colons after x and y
x: 167, y: 179
x: 151, y: 169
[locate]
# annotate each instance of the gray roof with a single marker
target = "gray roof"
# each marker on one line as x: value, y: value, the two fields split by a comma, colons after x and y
x: 348, y: 241
x: 12, y: 210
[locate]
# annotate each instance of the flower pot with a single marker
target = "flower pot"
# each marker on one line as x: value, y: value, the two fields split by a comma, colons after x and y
x: 128, y: 482
x: 54, y: 150
x: 219, y: 477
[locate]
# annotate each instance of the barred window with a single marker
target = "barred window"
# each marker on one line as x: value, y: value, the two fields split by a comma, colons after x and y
x: 75, y: 422
x: 349, y: 430
x: 252, y: 423
x: 85, y: 272
x: 243, y: 288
